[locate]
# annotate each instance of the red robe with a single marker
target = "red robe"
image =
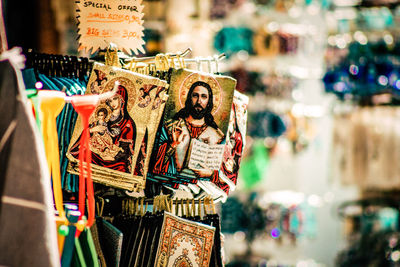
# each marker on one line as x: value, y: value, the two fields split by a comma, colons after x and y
x: 125, y: 139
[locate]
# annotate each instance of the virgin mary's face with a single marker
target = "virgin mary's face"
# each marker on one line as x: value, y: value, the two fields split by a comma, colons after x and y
x: 115, y: 102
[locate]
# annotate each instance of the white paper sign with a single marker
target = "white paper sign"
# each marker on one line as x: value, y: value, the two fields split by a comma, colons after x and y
x: 102, y: 22
x: 204, y: 156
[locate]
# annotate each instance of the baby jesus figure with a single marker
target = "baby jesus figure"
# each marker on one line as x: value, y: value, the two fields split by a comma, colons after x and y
x: 101, y: 142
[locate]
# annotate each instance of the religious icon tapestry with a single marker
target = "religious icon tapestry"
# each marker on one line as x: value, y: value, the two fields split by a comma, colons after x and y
x: 122, y: 128
x: 234, y: 146
x: 184, y: 243
x: 190, y: 141
x: 235, y: 140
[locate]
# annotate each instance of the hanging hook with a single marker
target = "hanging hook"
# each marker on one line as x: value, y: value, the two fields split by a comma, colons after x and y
x: 141, y: 206
x: 157, y: 60
x: 213, y: 206
x: 209, y: 65
x: 198, y: 63
x: 199, y: 208
x: 177, y: 207
x: 100, y: 208
x: 187, y: 51
x: 181, y: 62
x: 131, y: 206
x: 111, y: 57
x: 137, y: 210
x: 145, y: 208
x: 216, y: 64
x: 152, y: 58
x: 182, y: 208
x: 155, y: 204
x: 193, y: 208
x: 170, y: 60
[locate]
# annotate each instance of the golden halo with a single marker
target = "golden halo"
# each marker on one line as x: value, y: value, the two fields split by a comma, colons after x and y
x: 129, y: 86
x: 93, y: 117
x: 214, y: 84
x: 100, y: 106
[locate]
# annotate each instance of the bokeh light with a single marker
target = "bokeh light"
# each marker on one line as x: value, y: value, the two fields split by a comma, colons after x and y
x: 275, y: 233
x: 39, y: 85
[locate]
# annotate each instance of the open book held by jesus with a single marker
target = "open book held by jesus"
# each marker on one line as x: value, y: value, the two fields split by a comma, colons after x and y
x: 205, y: 156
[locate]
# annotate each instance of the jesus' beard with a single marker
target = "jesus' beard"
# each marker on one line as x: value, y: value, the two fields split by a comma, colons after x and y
x: 197, y: 112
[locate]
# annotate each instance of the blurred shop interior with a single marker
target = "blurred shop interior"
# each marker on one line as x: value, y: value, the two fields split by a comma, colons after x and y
x: 319, y: 177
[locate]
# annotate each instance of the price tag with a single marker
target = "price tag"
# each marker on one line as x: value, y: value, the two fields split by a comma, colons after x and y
x: 102, y: 22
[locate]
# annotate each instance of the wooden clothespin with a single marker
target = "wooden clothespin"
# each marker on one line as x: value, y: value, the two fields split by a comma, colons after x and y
x: 111, y: 57
x: 177, y: 207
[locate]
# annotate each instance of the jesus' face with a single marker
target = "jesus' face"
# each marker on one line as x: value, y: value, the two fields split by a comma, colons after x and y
x: 199, y: 101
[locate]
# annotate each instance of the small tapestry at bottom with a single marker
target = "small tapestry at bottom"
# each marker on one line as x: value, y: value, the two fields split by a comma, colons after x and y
x: 184, y: 243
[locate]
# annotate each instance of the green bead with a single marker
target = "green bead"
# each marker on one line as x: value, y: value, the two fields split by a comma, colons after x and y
x: 63, y: 230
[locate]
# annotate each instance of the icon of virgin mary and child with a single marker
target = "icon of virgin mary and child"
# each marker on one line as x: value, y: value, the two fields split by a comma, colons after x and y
x: 112, y: 134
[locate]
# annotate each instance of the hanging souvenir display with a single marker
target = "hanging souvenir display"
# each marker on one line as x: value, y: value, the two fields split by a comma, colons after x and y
x: 105, y: 134
x: 110, y: 239
x: 152, y: 236
x: 234, y: 146
x: 235, y: 140
x: 184, y: 243
x: 122, y: 128
x: 110, y: 139
x: 190, y: 142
